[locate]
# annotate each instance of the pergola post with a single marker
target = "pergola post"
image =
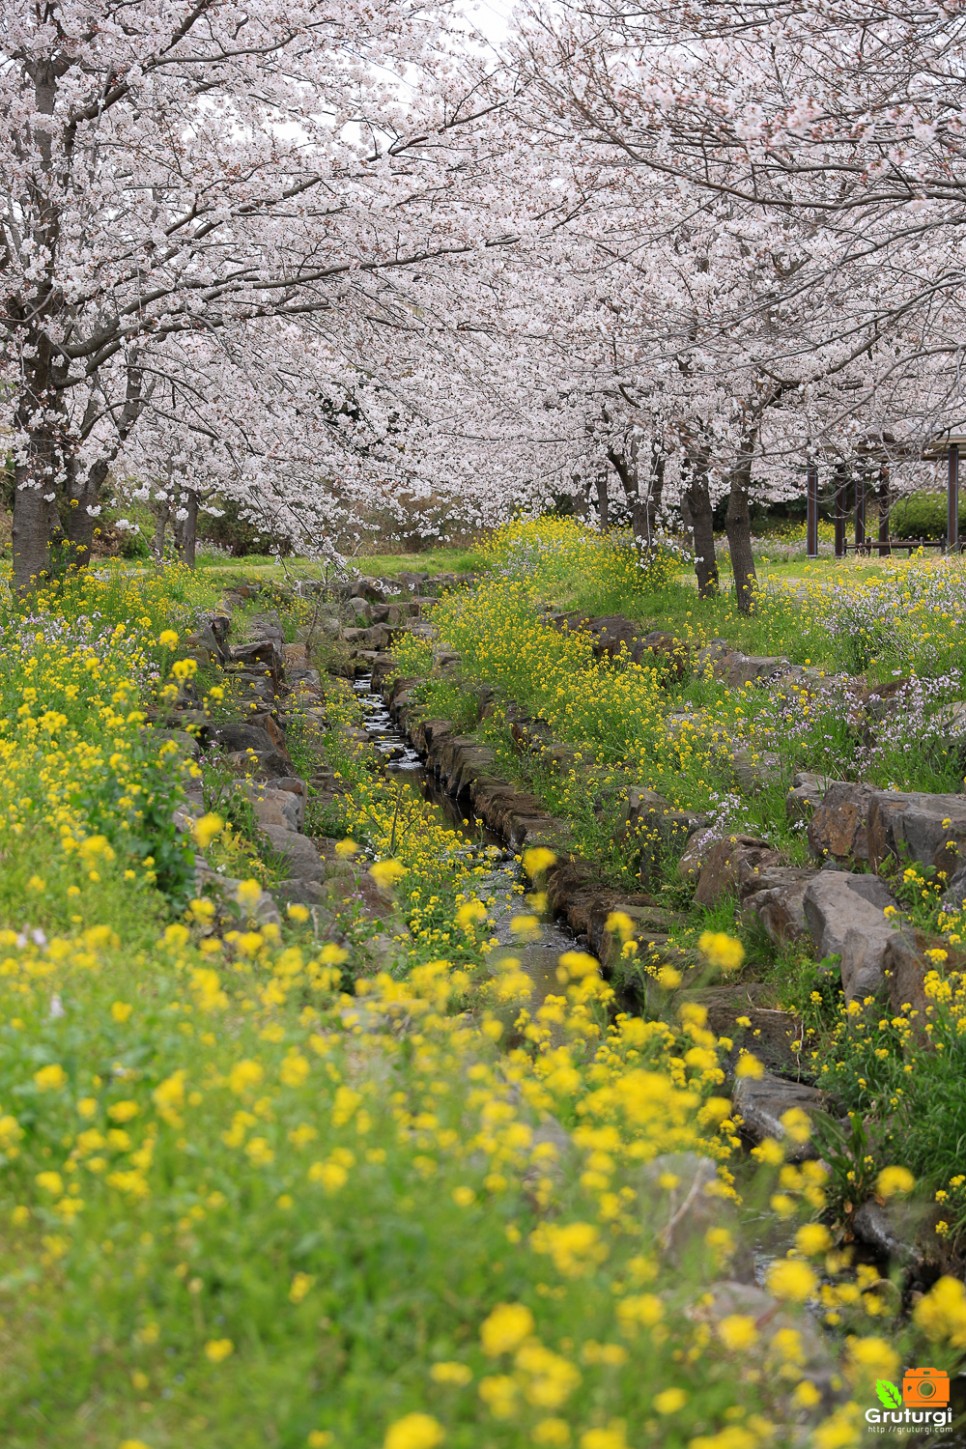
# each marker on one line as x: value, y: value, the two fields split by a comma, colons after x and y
x: 811, y: 507
x: 860, y: 507
x: 952, y: 501
x: 884, y: 509
x: 841, y: 509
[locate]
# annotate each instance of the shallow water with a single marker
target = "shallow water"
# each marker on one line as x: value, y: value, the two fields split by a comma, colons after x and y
x: 504, y: 877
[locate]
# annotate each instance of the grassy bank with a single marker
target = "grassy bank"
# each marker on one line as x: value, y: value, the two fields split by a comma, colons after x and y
x: 729, y: 755
x: 253, y: 1195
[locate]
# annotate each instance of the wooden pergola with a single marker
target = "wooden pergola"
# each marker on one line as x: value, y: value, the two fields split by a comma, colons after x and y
x: 879, y: 454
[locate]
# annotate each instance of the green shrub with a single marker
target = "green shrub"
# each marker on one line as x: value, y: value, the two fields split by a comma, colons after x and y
x: 923, y: 515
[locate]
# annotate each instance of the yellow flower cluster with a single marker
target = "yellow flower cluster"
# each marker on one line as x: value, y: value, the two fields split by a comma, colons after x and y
x: 457, y: 1198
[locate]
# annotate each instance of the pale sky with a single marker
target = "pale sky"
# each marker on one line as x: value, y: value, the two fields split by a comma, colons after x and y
x: 490, y: 17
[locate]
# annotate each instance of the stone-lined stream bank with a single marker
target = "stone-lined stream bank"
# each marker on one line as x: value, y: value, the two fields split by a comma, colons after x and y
x: 458, y: 774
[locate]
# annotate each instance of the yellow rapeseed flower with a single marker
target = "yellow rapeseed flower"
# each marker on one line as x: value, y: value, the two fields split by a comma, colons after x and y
x: 50, y: 1079
x: 218, y: 1349
x: 722, y: 950
x: 414, y: 1431
x: 206, y: 828
x: 506, y: 1328
x: 791, y: 1280
x: 893, y: 1181
x: 537, y: 860
x: 386, y: 873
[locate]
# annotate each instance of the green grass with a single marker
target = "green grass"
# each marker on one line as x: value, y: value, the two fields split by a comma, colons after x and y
x: 433, y: 561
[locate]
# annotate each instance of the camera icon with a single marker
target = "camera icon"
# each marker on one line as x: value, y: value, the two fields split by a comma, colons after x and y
x: 925, y: 1388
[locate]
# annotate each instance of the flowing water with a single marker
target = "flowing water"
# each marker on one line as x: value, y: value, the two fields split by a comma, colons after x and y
x: 504, y: 881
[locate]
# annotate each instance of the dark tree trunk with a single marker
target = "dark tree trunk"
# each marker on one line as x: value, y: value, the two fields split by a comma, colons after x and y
x: 697, y: 498
x: 31, y: 530
x: 37, y: 476
x: 641, y: 524
x: 84, y: 494
x: 738, y: 529
x: 738, y: 520
x: 644, y: 509
x: 625, y: 467
x: 40, y: 422
x: 603, y: 502
x: 687, y: 517
x: 81, y: 523
x: 162, y: 510
x: 655, y: 497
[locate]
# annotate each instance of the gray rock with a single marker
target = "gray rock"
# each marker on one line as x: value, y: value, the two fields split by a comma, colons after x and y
x: 954, y: 898
x: 771, y: 1033
x: 280, y: 809
x: 845, y: 917
x: 687, y: 1210
x: 360, y: 610
x: 755, y: 772
x: 732, y: 667
x: 890, y: 1228
x: 224, y: 890
x: 263, y: 656
x: 234, y: 737
x: 819, y: 1364
x: 299, y: 855
x: 927, y: 829
x: 763, y: 1100
x: 777, y: 898
x: 187, y: 744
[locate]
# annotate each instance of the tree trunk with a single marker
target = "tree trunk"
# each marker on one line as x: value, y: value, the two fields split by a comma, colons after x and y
x: 81, y: 523
x: 31, y: 531
x: 626, y: 469
x: 603, y: 502
x: 738, y: 518
x: 37, y: 475
x: 644, y: 510
x: 697, y: 498
x: 162, y: 509
x: 188, y: 530
x: 738, y: 529
x: 655, y: 496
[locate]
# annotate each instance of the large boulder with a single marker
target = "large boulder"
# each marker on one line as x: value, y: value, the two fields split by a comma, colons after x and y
x: 927, y: 829
x: 839, y: 828
x: 755, y: 770
x: 845, y: 915
x: 731, y: 866
x: 656, y: 830
x: 248, y: 736
x: 735, y: 1012
x: 776, y: 896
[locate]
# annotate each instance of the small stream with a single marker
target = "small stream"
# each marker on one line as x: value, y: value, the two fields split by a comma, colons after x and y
x: 503, y: 876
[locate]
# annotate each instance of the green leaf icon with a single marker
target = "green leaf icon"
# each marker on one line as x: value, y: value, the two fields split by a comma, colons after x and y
x: 889, y: 1395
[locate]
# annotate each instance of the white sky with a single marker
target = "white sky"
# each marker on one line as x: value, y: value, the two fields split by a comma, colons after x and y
x: 490, y: 17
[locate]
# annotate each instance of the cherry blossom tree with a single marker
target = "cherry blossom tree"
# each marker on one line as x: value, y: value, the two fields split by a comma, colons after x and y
x: 173, y: 168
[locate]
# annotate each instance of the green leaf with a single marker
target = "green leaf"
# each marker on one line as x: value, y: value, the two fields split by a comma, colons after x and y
x: 889, y: 1395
